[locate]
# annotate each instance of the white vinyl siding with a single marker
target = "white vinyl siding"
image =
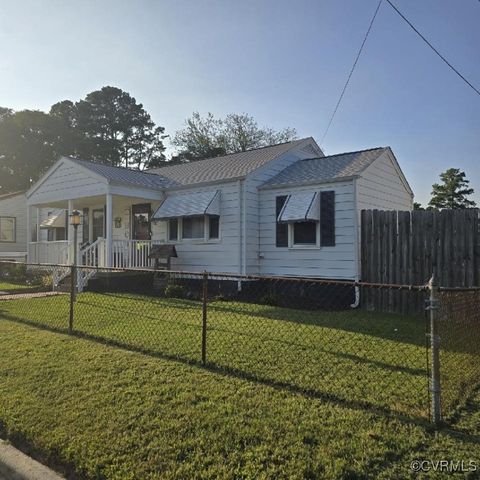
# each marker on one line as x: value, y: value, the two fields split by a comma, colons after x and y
x: 313, y: 261
x: 67, y: 181
x: 15, y: 207
x: 215, y: 255
x: 253, y: 221
x: 381, y: 187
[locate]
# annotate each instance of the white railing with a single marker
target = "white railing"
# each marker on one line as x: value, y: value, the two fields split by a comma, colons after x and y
x: 48, y: 252
x: 132, y: 253
x: 91, y: 256
x: 125, y: 254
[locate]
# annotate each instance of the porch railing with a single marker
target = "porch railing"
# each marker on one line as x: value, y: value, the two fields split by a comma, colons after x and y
x: 125, y: 253
x: 132, y: 253
x: 56, y: 252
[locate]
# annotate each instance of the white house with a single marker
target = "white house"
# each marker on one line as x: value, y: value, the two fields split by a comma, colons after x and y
x: 280, y: 210
x: 13, y: 226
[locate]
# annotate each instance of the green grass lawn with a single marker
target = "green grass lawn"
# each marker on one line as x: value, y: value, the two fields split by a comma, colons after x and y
x: 109, y: 413
x: 350, y: 356
x: 14, y: 287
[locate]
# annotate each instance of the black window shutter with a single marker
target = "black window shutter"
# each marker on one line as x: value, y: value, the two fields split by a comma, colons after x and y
x: 281, y: 228
x: 327, y: 219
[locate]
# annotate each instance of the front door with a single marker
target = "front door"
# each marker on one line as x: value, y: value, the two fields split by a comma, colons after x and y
x: 98, y: 223
x: 141, y: 221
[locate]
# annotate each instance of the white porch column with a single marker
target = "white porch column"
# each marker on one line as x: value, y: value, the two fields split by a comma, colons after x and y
x: 109, y: 229
x: 70, y: 232
x: 29, y: 232
x: 37, y: 212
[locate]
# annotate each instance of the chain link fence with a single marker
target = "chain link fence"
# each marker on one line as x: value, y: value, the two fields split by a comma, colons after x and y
x: 458, y: 328
x: 313, y: 336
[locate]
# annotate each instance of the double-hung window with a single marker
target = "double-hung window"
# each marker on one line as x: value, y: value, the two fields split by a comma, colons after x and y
x: 195, y: 227
x: 305, y: 219
x: 8, y: 229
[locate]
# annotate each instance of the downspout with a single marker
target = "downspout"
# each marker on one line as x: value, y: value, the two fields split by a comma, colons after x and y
x: 244, y: 235
x: 240, y: 232
x: 356, y: 302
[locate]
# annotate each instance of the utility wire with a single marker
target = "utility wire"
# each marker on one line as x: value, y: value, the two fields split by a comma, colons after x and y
x: 351, y: 73
x: 433, y: 48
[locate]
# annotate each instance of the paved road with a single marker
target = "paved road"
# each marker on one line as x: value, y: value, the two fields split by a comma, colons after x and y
x: 15, y: 465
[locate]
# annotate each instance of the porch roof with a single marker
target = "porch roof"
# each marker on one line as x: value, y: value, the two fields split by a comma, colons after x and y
x: 125, y: 175
x: 71, y: 178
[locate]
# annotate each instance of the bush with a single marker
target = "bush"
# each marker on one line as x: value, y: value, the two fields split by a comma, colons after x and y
x: 46, y: 281
x: 175, y: 291
x: 14, y: 272
x: 270, y: 299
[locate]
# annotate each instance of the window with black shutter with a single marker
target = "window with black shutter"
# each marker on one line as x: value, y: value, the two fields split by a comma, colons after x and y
x: 281, y: 228
x: 327, y: 219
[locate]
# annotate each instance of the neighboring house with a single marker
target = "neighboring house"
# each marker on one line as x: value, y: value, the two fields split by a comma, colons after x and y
x: 281, y: 210
x: 13, y: 226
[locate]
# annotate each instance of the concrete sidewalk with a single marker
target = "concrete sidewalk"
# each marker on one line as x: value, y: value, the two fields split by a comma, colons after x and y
x: 15, y: 465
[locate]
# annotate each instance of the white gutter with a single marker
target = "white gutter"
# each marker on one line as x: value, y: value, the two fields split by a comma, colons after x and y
x: 356, y: 251
x: 244, y: 233
x: 240, y: 230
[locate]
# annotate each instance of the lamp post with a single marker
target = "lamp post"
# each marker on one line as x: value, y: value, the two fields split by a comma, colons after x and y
x: 75, y: 221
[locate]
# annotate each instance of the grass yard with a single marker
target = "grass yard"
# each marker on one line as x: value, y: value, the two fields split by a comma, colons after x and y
x: 108, y: 413
x: 349, y: 356
x: 14, y: 287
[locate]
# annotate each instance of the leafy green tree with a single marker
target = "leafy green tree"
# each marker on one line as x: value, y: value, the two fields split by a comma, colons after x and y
x: 205, y: 137
x: 453, y: 191
x: 417, y: 206
x: 30, y: 141
x: 109, y: 126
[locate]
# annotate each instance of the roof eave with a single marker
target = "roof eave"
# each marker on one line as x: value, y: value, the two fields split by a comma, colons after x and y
x: 311, y: 182
x: 205, y: 184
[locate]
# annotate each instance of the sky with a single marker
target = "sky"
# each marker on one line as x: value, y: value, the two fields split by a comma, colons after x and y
x: 282, y: 61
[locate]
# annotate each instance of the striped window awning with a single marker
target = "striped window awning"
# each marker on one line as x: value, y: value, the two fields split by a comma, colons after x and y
x: 57, y: 219
x: 189, y: 204
x: 301, y: 207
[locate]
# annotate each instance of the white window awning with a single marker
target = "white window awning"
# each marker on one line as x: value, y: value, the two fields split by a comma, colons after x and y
x: 301, y: 207
x: 189, y: 204
x: 57, y: 219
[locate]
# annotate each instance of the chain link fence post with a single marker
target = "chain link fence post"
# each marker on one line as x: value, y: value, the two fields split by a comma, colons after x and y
x: 435, y: 389
x: 204, y: 317
x: 73, y: 275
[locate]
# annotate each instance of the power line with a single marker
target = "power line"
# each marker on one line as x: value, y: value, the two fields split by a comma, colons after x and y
x: 433, y: 48
x: 351, y: 73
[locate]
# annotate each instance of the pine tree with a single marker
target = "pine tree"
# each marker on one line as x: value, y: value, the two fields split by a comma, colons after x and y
x: 452, y: 192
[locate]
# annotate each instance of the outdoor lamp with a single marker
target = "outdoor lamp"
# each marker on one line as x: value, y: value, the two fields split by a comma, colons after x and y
x: 75, y: 218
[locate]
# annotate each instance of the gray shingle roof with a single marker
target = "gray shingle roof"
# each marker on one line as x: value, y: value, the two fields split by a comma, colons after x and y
x: 224, y: 168
x: 323, y: 169
x: 125, y: 175
x: 11, y: 194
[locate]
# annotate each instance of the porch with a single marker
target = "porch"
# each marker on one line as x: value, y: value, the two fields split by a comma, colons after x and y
x: 115, y: 231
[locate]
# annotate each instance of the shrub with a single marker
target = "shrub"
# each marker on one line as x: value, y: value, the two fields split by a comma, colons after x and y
x: 175, y: 291
x: 270, y: 299
x: 46, y: 281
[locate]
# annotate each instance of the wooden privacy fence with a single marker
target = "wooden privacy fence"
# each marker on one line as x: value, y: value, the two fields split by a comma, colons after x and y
x: 407, y: 247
